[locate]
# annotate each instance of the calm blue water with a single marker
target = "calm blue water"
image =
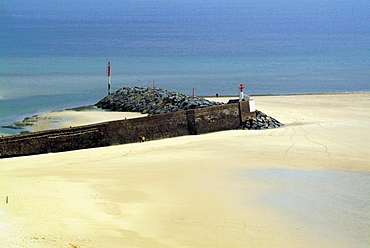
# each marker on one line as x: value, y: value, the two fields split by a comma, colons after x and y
x: 53, y: 54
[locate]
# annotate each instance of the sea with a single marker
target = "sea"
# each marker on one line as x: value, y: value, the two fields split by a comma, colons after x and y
x: 54, y: 54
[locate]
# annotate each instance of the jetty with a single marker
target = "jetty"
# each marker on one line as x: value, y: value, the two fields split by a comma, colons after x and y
x: 170, y: 114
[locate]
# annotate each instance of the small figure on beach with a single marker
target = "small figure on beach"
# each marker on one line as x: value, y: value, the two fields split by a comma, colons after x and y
x: 142, y: 139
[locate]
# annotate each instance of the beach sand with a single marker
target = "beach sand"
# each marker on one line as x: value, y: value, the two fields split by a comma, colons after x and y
x: 68, y: 118
x: 306, y: 184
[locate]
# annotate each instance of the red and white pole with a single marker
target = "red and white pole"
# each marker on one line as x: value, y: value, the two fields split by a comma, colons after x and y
x: 241, y: 94
x: 109, y: 77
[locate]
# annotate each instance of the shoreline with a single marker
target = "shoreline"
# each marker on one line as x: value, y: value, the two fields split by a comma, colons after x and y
x: 237, y: 188
x: 77, y: 117
x: 55, y: 121
x: 70, y: 117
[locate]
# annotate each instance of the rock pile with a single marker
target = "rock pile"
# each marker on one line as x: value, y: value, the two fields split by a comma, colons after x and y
x: 148, y: 101
x: 261, y: 121
x: 159, y: 101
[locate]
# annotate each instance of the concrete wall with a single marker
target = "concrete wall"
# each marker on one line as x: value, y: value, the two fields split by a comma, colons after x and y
x: 191, y: 122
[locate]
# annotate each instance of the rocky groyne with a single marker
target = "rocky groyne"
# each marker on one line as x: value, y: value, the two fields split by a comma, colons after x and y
x: 159, y: 101
x: 151, y: 101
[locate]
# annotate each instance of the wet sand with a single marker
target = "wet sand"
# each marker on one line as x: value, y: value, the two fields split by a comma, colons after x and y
x: 68, y: 118
x: 303, y: 185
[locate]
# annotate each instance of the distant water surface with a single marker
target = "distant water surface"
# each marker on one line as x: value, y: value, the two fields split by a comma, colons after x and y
x: 53, y: 54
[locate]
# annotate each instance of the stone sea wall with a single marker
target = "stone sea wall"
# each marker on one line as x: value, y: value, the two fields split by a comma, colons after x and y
x: 159, y: 101
x: 190, y: 122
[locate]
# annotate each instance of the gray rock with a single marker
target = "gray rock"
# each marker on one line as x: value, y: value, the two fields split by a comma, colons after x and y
x: 147, y: 100
x: 261, y: 121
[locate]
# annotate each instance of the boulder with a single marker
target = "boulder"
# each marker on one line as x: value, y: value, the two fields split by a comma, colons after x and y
x: 261, y: 121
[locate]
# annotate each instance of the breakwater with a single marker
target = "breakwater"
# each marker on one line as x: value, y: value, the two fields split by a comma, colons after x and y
x: 190, y: 122
x: 160, y: 101
x: 170, y: 114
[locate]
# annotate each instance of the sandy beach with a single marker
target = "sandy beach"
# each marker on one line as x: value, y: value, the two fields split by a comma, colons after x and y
x: 306, y: 184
